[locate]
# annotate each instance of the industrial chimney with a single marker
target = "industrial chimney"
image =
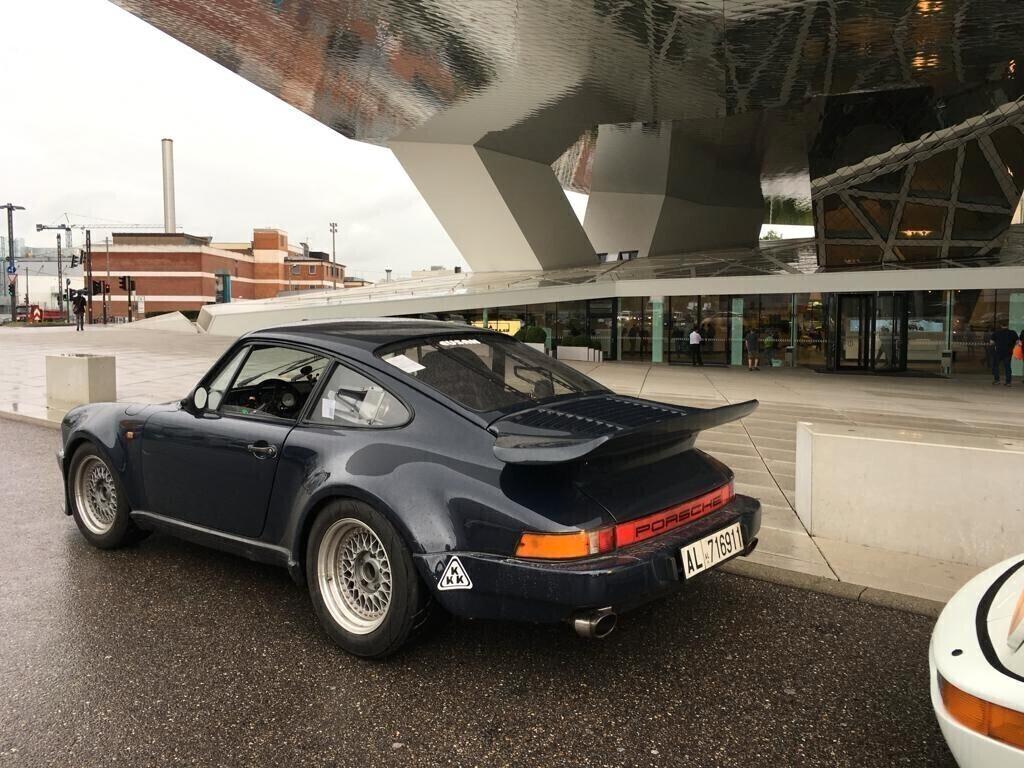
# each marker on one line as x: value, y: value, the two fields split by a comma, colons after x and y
x: 167, y: 145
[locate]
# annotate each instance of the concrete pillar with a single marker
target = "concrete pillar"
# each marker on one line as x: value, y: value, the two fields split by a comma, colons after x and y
x: 679, y: 186
x: 736, y: 356
x: 657, y: 328
x: 502, y: 212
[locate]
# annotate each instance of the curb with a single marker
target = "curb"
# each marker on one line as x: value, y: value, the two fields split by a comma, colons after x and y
x: 842, y: 589
x: 38, y: 421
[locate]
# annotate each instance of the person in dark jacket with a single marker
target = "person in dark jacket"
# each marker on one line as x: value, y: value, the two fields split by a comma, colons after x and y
x: 78, y: 307
x: 1001, y: 345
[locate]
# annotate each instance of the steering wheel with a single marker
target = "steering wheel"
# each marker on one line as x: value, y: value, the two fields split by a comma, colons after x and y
x: 276, y: 396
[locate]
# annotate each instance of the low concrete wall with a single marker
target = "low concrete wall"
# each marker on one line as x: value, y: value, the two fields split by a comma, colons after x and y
x: 75, y: 379
x: 946, y: 496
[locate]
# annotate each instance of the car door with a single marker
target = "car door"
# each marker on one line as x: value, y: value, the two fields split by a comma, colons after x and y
x: 215, y: 466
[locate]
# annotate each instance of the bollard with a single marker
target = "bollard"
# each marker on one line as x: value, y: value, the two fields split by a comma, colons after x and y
x: 75, y: 379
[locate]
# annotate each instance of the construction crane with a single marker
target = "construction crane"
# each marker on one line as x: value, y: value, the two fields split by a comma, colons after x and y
x: 67, y: 226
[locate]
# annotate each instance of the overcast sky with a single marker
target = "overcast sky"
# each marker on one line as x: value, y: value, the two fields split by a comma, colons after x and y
x: 88, y: 92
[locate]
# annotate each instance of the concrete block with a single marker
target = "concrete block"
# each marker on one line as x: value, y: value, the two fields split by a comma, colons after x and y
x: 952, y: 497
x: 75, y: 379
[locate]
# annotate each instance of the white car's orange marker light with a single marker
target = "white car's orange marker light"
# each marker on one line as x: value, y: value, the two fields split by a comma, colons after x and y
x: 984, y: 717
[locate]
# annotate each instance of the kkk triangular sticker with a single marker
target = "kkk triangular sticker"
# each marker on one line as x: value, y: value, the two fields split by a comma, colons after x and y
x: 455, y: 576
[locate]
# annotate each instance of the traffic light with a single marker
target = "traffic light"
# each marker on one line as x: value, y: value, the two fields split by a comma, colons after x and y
x: 74, y: 260
x: 123, y: 282
x: 97, y: 287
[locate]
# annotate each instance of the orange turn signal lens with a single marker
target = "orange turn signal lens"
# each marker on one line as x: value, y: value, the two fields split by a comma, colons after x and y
x: 984, y: 717
x: 566, y: 546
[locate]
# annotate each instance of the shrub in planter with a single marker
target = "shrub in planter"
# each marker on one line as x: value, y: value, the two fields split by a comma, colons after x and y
x: 531, y: 334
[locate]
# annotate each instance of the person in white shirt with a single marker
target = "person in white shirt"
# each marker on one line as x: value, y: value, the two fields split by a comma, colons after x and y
x: 695, y: 340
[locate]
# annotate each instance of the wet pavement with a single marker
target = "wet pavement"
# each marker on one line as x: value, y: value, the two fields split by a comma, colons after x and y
x: 170, y: 654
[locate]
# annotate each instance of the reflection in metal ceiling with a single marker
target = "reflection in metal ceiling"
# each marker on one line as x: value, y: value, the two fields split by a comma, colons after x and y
x: 813, y: 88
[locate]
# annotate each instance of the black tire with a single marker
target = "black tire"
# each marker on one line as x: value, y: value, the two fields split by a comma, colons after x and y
x: 103, y: 518
x: 407, y: 605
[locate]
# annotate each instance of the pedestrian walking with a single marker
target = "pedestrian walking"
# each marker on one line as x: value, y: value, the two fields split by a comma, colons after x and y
x: 769, y: 348
x: 695, y: 341
x: 753, y: 354
x: 1001, y: 346
x: 78, y: 307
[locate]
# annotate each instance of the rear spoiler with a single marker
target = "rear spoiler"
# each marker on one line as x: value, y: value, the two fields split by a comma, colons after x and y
x: 559, y: 433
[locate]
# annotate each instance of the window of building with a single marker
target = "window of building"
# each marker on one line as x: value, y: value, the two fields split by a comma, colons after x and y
x: 296, y: 269
x: 810, y: 329
x: 926, y: 330
x: 312, y: 269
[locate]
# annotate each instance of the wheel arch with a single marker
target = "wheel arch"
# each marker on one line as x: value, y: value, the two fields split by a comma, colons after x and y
x: 316, y: 505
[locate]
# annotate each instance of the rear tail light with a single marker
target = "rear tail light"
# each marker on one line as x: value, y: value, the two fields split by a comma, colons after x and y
x: 647, y: 527
x: 566, y: 546
x: 1015, y: 637
x: 984, y: 717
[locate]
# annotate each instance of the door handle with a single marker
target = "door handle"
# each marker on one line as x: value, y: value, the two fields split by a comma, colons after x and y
x: 262, y: 450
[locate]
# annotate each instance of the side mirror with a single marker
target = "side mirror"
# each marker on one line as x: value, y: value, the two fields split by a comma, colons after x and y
x: 199, y: 398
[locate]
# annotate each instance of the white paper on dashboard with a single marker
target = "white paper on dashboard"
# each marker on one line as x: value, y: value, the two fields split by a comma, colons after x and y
x: 327, y: 406
x: 404, y: 363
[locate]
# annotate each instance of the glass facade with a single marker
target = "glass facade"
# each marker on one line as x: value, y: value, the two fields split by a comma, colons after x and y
x: 921, y: 331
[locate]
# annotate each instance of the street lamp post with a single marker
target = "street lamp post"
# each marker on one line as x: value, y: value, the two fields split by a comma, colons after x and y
x: 334, y: 231
x: 12, y: 275
x: 60, y: 280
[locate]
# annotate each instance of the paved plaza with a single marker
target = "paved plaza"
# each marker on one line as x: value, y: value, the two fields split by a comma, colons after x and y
x: 155, y: 366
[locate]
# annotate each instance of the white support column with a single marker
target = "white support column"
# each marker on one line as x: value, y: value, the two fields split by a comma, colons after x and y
x: 502, y: 212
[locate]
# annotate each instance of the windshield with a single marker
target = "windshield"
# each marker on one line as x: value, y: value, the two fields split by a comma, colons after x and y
x: 486, y: 372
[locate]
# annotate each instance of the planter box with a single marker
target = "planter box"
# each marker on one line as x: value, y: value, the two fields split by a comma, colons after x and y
x: 951, y: 497
x: 573, y: 353
x: 583, y: 354
x: 75, y: 379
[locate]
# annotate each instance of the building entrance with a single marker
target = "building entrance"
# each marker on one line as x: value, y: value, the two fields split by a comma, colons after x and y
x: 869, y: 332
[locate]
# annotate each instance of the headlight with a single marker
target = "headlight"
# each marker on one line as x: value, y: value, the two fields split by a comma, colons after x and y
x: 1015, y: 637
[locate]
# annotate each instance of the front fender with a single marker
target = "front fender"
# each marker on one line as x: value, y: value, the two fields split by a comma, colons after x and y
x: 114, y: 430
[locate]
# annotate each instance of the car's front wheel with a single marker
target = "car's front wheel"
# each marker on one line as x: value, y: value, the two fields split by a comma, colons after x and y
x: 362, y: 580
x: 98, y: 503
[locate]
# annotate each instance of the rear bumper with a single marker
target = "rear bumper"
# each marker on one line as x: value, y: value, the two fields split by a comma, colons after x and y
x: 525, y: 590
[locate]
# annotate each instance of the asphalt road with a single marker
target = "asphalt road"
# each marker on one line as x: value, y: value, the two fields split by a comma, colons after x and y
x: 169, y: 654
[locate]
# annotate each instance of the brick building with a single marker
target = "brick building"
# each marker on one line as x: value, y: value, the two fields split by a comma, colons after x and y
x: 176, y: 271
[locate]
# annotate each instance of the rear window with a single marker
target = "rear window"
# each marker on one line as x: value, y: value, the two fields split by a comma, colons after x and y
x: 486, y: 372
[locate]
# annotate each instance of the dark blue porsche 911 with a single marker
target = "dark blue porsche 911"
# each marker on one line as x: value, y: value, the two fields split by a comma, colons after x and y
x: 392, y: 465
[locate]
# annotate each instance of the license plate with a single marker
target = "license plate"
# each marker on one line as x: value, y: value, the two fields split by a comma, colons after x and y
x: 711, y: 550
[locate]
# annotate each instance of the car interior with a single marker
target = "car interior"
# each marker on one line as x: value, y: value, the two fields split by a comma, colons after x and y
x: 275, y: 381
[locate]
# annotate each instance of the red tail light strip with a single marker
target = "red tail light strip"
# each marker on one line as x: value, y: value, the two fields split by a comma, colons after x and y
x: 653, y: 525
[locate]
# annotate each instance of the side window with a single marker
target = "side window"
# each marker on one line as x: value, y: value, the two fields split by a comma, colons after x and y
x: 274, y: 381
x: 220, y: 382
x: 352, y: 400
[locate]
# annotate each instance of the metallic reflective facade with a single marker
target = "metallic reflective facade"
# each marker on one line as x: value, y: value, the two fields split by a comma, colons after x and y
x: 713, y: 104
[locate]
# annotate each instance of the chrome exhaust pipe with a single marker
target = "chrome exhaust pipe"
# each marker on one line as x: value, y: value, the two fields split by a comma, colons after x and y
x: 595, y: 624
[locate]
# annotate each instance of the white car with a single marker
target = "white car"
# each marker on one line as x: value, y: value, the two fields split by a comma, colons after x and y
x: 977, y: 669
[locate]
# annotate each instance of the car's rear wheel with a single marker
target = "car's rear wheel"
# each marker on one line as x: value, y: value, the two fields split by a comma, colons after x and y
x: 98, y: 503
x: 362, y: 580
